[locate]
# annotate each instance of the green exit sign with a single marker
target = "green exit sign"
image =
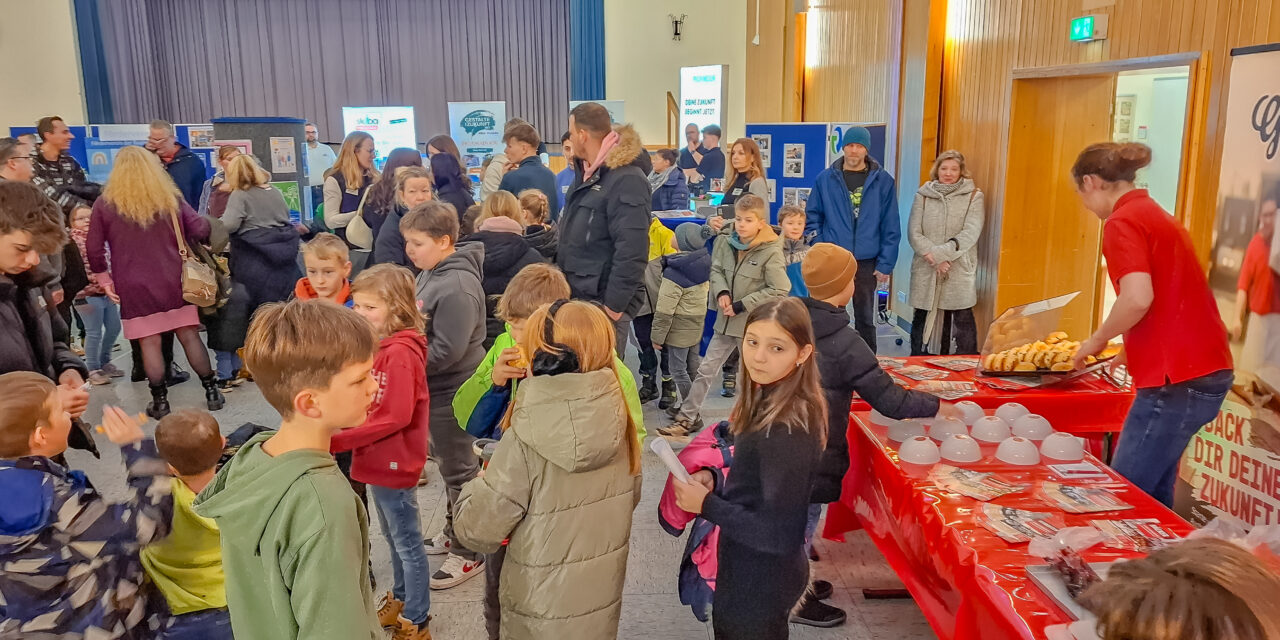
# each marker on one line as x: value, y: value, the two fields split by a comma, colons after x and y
x: 1089, y: 28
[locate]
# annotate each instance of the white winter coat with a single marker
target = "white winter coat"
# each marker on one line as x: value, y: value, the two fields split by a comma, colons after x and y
x: 936, y: 220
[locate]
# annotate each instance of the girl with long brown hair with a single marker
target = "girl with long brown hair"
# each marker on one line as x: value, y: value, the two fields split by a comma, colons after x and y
x: 745, y: 173
x: 562, y: 483
x: 346, y: 182
x: 779, y: 429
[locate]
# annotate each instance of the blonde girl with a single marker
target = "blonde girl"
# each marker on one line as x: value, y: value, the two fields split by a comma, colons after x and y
x: 539, y: 232
x: 413, y: 187
x: 348, y: 179
x: 390, y: 449
x: 567, y: 469
x: 135, y: 220
x: 535, y: 206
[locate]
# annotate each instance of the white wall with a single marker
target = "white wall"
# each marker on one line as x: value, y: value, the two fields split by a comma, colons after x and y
x: 40, y: 71
x: 642, y: 62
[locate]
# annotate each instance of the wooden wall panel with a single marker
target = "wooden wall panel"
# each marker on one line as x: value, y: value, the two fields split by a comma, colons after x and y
x: 850, y: 63
x: 986, y: 40
x: 766, y: 62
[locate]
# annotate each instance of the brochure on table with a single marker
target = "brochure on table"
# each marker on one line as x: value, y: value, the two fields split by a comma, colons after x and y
x: 95, y: 146
x: 477, y: 129
x: 795, y: 152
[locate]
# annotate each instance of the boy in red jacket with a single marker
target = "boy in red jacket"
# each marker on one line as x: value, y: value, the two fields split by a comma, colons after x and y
x: 390, y: 448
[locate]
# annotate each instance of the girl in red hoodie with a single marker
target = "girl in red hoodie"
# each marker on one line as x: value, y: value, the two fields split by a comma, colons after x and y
x: 390, y: 448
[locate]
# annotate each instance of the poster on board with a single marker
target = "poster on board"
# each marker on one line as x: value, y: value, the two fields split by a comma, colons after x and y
x: 282, y: 155
x: 201, y: 136
x: 391, y: 127
x: 292, y: 197
x: 477, y: 128
x: 703, y: 95
x: 765, y: 142
x: 102, y: 157
x: 616, y: 108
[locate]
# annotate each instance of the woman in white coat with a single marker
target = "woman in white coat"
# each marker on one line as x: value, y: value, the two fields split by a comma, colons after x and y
x: 946, y: 221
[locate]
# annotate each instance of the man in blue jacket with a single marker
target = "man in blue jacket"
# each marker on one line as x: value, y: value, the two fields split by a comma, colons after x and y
x: 854, y: 205
x: 184, y: 166
x: 529, y: 173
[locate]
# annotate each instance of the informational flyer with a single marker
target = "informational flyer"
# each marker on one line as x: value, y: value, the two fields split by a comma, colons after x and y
x: 947, y: 389
x: 917, y: 372
x: 282, y: 155
x: 773, y: 189
x: 1016, y: 525
x: 1144, y: 535
x: 793, y: 161
x: 1076, y: 499
x: 765, y: 142
x: 477, y: 129
x: 978, y: 485
x: 955, y: 363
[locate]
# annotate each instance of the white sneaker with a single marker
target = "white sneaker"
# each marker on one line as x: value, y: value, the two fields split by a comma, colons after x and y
x: 439, y: 545
x: 455, y: 571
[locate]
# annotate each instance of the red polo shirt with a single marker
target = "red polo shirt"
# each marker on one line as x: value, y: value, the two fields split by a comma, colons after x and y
x: 1182, y: 335
x: 1257, y: 280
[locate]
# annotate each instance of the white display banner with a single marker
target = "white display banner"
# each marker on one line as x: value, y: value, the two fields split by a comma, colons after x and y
x: 702, y: 95
x: 391, y: 128
x: 616, y: 108
x: 477, y: 129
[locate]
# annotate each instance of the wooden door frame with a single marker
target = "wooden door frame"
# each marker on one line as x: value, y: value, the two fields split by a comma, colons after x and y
x: 1198, y: 96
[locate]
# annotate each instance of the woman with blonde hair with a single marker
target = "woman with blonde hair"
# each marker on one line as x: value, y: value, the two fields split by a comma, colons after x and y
x: 944, y: 227
x: 413, y: 187
x: 745, y: 173
x: 566, y: 470
x: 263, y: 261
x: 500, y: 228
x: 213, y: 198
x: 136, y: 218
x: 346, y: 182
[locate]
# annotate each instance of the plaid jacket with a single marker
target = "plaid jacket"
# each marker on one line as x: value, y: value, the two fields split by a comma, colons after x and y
x: 69, y: 565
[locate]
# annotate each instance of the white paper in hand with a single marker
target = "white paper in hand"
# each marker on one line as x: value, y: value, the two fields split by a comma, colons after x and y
x: 661, y: 447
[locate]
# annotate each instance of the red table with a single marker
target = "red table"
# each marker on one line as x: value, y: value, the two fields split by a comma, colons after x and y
x: 969, y: 583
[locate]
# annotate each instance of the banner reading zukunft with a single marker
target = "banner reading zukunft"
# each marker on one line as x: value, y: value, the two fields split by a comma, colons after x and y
x: 1246, y: 252
x: 477, y: 129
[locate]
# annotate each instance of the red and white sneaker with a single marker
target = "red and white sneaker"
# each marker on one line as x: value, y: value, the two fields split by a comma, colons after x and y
x: 439, y: 545
x: 455, y: 571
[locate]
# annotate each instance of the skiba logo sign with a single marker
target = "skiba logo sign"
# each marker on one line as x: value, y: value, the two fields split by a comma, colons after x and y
x: 477, y: 121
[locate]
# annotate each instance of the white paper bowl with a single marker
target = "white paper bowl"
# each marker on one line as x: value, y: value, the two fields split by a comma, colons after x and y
x: 1032, y: 427
x: 919, y: 450
x: 971, y: 411
x: 991, y: 430
x: 942, y: 428
x: 905, y: 430
x: 1062, y: 446
x: 960, y: 448
x: 881, y: 419
x: 1019, y: 451
x: 1011, y: 411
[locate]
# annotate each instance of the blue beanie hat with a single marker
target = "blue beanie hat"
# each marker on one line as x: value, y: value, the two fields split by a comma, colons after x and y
x: 689, y: 236
x: 856, y: 135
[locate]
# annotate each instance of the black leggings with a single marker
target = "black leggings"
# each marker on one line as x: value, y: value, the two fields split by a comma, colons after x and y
x: 958, y: 324
x: 649, y: 357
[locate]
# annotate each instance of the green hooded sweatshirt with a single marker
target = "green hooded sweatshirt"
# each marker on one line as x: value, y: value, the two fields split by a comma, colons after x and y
x: 295, y: 546
x: 469, y: 394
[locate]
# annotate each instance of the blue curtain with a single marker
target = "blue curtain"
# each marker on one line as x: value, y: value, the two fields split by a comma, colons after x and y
x: 93, y: 62
x: 586, y: 49
x: 192, y: 60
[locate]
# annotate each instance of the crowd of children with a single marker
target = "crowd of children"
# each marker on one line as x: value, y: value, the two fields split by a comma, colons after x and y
x: 274, y: 542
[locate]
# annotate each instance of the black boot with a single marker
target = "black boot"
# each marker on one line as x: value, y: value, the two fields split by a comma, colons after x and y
x: 648, y: 388
x: 730, y: 385
x: 668, y: 394
x: 212, y: 396
x: 159, y: 406
x: 816, y: 613
x: 176, y: 375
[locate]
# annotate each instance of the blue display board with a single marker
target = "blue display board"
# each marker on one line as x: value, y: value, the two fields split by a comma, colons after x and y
x: 798, y: 151
x: 98, y: 156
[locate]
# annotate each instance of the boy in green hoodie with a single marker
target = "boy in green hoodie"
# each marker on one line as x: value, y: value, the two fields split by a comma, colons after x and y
x: 295, y: 538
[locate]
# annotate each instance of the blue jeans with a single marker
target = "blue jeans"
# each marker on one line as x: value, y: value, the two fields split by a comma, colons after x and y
x: 811, y: 527
x: 210, y: 624
x: 101, y: 319
x: 228, y: 362
x: 1159, y: 426
x: 411, y: 573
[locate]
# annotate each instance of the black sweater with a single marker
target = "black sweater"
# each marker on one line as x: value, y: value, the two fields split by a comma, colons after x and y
x: 847, y: 365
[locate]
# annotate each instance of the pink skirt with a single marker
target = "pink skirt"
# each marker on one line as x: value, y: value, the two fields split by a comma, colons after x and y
x: 157, y: 323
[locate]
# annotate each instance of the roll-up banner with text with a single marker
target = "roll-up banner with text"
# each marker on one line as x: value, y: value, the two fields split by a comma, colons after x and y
x: 477, y: 129
x: 1232, y: 466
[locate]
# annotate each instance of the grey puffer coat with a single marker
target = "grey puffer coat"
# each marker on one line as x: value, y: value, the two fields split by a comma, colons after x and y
x: 948, y: 226
x: 560, y: 488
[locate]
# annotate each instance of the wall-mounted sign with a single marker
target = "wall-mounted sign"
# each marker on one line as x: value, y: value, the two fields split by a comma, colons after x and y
x: 1089, y: 28
x: 702, y: 95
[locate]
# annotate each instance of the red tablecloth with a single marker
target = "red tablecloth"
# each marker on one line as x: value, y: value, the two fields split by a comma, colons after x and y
x: 1087, y: 405
x: 969, y: 583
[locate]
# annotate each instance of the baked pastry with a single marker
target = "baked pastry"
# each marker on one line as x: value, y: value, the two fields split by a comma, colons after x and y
x: 1025, y: 366
x: 1061, y: 366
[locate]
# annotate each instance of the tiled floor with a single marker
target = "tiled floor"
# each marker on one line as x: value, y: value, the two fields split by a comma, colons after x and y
x: 651, y: 608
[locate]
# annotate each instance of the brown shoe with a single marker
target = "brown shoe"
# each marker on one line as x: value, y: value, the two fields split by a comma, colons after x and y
x: 410, y: 631
x: 389, y: 612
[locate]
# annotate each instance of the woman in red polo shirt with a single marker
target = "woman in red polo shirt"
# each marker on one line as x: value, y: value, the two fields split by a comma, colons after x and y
x: 1175, y: 342
x: 1258, y: 297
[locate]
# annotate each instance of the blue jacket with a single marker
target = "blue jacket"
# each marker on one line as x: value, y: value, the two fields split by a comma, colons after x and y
x: 673, y: 195
x: 189, y: 173
x: 530, y: 174
x: 70, y: 557
x: 876, y: 232
x: 564, y: 180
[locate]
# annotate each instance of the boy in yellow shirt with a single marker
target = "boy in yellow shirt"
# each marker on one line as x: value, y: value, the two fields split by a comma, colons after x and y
x: 186, y: 566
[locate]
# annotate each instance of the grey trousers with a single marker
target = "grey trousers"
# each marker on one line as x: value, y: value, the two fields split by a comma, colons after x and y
x: 708, y: 371
x: 684, y: 362
x: 451, y: 447
x: 621, y: 334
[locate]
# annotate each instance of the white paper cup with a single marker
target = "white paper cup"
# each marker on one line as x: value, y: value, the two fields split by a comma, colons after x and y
x: 1019, y: 451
